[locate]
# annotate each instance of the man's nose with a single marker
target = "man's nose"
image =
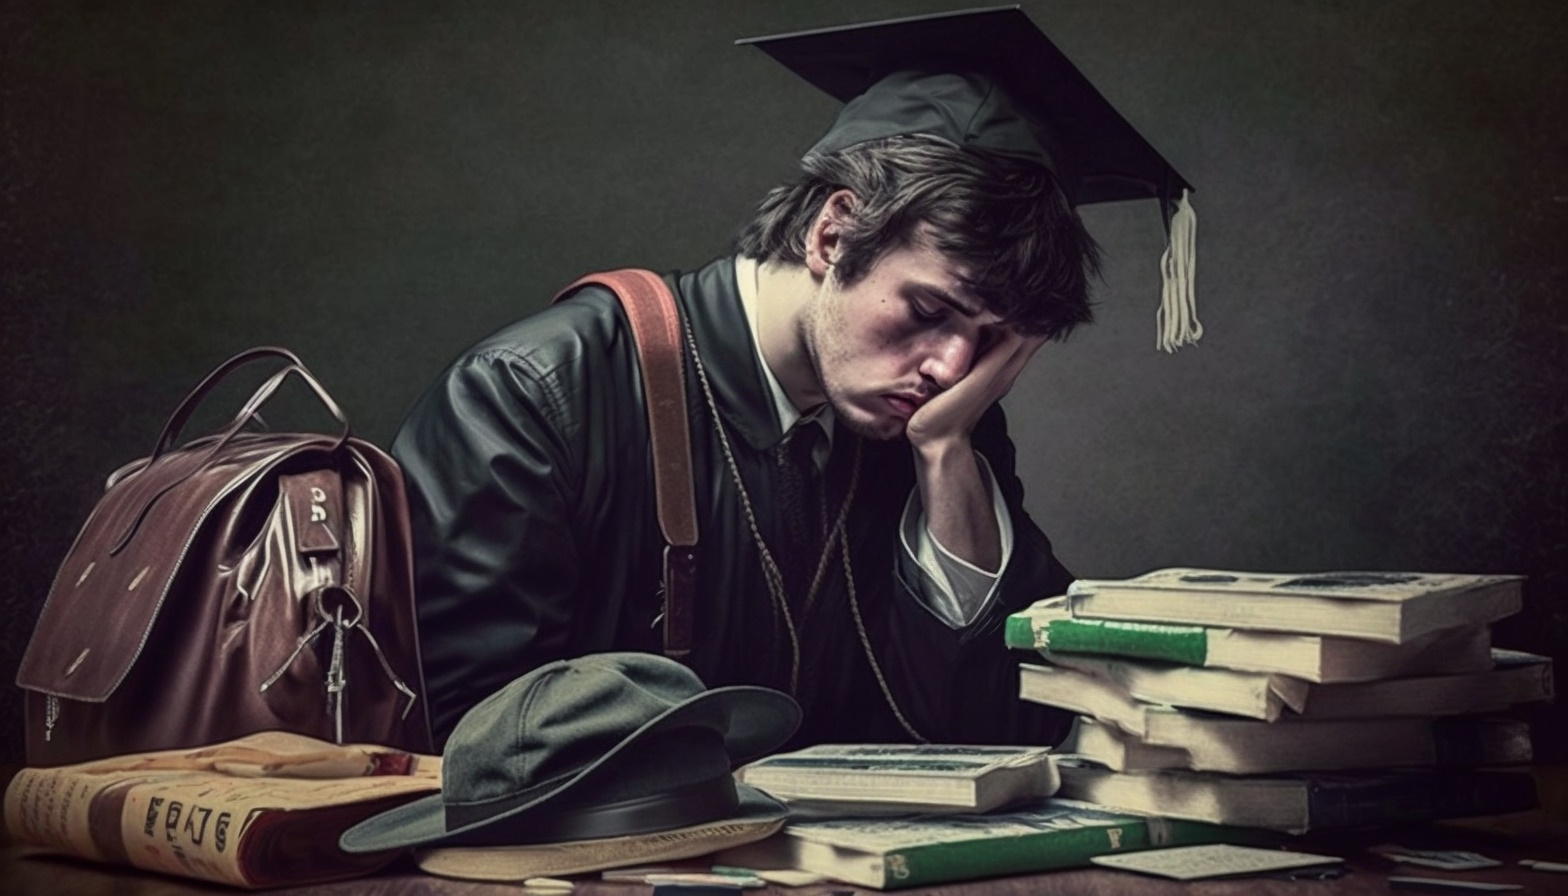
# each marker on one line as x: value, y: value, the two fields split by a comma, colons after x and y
x: 947, y: 361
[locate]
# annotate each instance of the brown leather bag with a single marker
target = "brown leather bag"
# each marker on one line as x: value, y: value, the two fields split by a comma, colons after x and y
x: 241, y: 582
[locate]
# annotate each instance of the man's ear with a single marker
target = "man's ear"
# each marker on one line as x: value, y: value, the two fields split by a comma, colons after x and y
x: 824, y: 240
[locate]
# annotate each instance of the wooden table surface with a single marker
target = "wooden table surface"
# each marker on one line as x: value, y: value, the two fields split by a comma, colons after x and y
x: 1542, y: 834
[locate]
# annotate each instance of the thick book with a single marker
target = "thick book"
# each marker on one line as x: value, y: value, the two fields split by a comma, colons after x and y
x: 1215, y: 743
x: 1114, y: 749
x: 1515, y: 677
x: 1298, y: 803
x: 881, y: 778
x: 918, y: 850
x: 1394, y: 607
x: 1122, y: 686
x: 263, y: 810
x: 1049, y: 627
x: 1099, y: 686
x: 1085, y: 694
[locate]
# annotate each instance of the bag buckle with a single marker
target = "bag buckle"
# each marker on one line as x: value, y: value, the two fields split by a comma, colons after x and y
x: 337, y: 676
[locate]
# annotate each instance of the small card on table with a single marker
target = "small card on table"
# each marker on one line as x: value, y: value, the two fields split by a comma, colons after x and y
x: 1211, y: 860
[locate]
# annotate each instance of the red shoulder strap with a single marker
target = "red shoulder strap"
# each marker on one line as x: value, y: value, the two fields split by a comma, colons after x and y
x: 656, y: 329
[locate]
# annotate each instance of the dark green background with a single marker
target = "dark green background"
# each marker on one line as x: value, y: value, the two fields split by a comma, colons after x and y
x: 1382, y: 205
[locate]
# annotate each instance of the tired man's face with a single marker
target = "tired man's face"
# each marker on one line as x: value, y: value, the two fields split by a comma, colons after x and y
x: 904, y: 332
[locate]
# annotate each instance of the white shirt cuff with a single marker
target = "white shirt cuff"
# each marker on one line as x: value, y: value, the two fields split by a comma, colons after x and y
x: 953, y: 589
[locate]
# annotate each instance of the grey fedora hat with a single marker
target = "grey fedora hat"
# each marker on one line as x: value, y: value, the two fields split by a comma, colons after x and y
x: 601, y: 746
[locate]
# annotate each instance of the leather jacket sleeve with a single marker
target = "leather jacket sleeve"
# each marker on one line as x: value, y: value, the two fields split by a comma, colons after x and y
x: 495, y: 559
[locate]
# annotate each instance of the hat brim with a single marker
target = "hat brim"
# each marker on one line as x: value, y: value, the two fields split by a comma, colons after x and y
x: 759, y: 816
x: 752, y: 720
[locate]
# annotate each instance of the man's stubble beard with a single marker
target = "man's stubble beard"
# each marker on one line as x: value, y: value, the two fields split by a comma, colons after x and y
x: 824, y: 318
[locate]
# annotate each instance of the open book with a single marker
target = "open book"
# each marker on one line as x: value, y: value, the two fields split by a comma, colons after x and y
x: 263, y: 810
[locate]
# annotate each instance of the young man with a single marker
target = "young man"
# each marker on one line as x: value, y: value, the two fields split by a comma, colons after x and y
x: 863, y: 533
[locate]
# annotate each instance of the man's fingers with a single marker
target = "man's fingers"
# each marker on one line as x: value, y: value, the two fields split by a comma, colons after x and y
x: 989, y: 379
x: 1010, y: 355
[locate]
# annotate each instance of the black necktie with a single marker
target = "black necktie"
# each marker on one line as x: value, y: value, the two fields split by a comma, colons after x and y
x: 798, y: 499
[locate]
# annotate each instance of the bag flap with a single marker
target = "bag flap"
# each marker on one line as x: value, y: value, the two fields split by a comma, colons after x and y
x: 116, y: 578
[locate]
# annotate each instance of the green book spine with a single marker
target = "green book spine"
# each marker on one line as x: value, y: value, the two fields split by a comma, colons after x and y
x: 1019, y: 632
x: 1184, y: 644
x: 1044, y: 851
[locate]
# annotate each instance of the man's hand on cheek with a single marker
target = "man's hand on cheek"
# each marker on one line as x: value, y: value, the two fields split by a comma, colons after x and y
x: 951, y: 415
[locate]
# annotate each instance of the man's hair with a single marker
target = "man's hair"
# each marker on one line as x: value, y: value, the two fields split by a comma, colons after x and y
x: 1027, y: 254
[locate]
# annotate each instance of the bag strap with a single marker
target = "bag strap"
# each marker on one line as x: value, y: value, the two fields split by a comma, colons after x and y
x: 656, y: 329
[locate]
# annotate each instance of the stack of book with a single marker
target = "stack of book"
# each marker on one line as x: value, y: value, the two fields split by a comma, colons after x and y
x: 1287, y: 702
x: 891, y: 816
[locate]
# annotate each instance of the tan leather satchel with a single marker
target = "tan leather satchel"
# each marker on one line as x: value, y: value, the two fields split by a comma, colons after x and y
x: 241, y: 582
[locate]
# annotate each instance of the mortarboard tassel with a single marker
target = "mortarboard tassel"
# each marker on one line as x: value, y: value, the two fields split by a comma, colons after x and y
x: 1177, y: 319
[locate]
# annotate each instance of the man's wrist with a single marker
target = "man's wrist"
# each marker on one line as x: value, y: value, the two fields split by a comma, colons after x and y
x: 934, y: 454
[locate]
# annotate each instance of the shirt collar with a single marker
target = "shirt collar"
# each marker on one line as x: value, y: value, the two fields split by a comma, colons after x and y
x: 746, y: 278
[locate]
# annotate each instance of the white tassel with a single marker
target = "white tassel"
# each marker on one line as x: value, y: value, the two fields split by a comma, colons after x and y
x: 1177, y: 320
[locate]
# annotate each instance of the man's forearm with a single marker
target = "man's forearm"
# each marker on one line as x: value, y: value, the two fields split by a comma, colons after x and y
x: 958, y: 506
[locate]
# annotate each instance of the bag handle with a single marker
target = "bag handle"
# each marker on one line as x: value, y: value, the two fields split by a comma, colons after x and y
x: 182, y: 413
x: 656, y: 331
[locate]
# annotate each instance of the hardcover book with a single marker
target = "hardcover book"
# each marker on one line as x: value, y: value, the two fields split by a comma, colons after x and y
x: 1515, y: 677
x: 1298, y: 803
x: 863, y: 778
x: 1086, y: 695
x: 1207, y: 742
x: 1050, y: 628
x: 1394, y: 607
x: 1252, y: 694
x: 263, y: 810
x: 1107, y: 746
x: 912, y: 851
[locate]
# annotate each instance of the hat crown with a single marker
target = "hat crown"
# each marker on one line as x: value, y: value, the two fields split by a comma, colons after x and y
x: 557, y: 720
x: 965, y: 107
x: 602, y: 746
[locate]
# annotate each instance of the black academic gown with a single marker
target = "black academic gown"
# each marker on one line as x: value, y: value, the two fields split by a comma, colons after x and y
x: 530, y: 483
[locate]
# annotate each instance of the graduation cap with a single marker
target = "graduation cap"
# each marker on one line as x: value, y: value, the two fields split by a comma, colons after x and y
x: 989, y: 79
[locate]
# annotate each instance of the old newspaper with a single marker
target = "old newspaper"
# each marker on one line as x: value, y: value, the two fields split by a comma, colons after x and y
x: 262, y: 810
